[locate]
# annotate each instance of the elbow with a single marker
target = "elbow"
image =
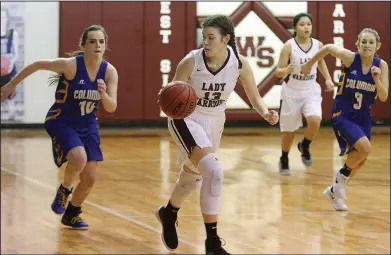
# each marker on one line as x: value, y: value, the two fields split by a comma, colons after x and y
x: 279, y: 73
x: 383, y: 98
x: 112, y: 108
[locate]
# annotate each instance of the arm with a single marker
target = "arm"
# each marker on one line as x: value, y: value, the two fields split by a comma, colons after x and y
x: 250, y: 87
x: 345, y: 55
x: 283, y: 69
x: 184, y: 68
x: 59, y: 65
x: 109, y: 97
x: 382, y: 82
x: 322, y: 67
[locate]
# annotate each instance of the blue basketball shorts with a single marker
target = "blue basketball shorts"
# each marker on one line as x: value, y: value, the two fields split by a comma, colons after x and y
x: 65, y: 137
x: 348, y: 132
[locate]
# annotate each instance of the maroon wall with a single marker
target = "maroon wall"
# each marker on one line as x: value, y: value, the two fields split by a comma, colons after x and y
x: 137, y: 49
x: 358, y: 15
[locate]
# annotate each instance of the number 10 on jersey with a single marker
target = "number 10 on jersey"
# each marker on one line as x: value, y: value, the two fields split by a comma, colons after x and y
x: 86, y: 107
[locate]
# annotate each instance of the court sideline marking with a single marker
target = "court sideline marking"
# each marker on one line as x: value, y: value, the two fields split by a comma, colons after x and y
x: 102, y: 208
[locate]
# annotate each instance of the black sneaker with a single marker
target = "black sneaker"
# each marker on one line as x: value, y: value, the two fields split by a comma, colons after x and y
x: 284, y: 166
x: 73, y: 220
x: 169, y: 235
x: 60, y: 200
x: 214, y: 247
x: 305, y: 154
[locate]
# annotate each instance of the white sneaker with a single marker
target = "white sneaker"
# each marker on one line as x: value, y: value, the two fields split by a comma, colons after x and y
x: 339, y: 186
x: 338, y: 203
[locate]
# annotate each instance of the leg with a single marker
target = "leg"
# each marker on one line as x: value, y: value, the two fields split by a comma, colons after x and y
x: 67, y: 146
x: 77, y: 160
x: 187, y: 182
x: 312, y: 111
x: 286, y: 144
x: 71, y: 216
x: 210, y: 195
x: 355, y: 169
x: 198, y: 144
x: 290, y: 121
x: 347, y: 133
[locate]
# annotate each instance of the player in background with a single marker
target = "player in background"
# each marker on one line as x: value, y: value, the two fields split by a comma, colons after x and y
x: 213, y: 72
x: 364, y: 78
x: 300, y: 94
x: 84, y: 80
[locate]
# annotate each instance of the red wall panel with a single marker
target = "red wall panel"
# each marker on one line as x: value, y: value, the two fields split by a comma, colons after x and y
x: 326, y: 34
x: 124, y: 24
x: 137, y: 49
x: 74, y: 18
x: 162, y: 55
x: 377, y: 16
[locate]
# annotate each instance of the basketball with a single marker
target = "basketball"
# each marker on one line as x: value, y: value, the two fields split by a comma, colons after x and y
x: 177, y: 100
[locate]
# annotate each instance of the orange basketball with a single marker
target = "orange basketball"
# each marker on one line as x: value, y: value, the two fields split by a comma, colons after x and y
x: 177, y: 100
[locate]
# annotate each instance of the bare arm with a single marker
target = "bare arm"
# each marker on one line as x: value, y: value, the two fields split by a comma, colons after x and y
x: 59, y: 65
x: 382, y: 82
x: 109, y: 97
x: 322, y: 66
x: 250, y: 87
x: 345, y: 55
x: 184, y: 68
x: 282, y: 69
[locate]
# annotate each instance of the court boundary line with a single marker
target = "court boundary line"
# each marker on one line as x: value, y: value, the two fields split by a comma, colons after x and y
x: 102, y: 208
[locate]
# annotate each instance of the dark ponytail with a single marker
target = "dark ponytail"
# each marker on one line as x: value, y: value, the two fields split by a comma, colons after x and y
x: 226, y: 26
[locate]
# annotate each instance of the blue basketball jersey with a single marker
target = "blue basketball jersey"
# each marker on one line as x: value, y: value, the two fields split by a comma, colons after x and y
x: 356, y: 92
x: 77, y: 100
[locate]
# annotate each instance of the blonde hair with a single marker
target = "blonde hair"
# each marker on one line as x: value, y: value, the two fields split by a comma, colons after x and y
x: 368, y: 30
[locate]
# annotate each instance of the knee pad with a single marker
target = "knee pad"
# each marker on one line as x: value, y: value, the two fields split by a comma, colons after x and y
x: 213, y: 178
x: 184, y: 186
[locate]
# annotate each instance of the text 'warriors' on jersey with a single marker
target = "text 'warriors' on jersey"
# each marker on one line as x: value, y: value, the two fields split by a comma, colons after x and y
x: 213, y: 87
x: 299, y: 56
x: 356, y: 91
x: 77, y: 100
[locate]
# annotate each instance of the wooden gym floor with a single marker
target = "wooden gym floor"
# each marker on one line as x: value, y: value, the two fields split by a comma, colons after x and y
x: 261, y: 211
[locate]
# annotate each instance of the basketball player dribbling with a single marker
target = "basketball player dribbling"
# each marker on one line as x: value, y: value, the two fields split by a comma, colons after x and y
x: 213, y: 72
x: 364, y: 78
x: 300, y: 94
x: 83, y: 82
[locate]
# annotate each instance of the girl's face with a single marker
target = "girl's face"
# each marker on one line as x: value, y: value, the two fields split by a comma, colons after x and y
x: 95, y: 43
x: 367, y: 45
x: 304, y: 27
x: 213, y: 41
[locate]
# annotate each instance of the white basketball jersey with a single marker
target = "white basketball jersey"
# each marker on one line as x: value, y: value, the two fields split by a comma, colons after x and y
x: 299, y: 56
x: 213, y: 88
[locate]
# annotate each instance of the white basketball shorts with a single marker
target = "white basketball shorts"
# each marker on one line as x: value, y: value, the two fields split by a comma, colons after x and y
x: 199, y: 129
x: 298, y: 102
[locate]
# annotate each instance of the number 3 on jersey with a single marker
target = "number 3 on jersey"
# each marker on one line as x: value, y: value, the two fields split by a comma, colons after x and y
x: 86, y: 107
x: 358, y: 97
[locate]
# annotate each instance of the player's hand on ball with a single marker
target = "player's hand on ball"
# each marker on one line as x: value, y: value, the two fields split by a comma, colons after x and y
x: 375, y: 71
x: 101, y: 86
x: 7, y: 91
x: 271, y: 117
x: 329, y: 86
